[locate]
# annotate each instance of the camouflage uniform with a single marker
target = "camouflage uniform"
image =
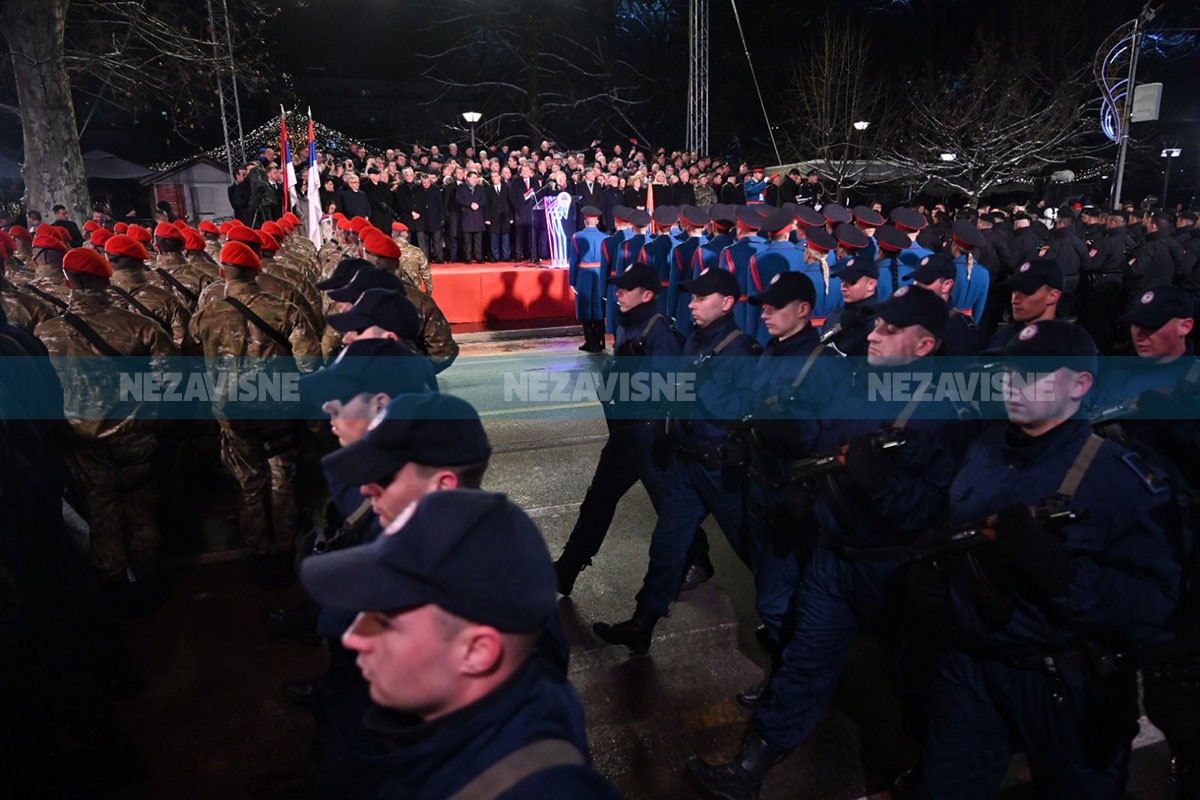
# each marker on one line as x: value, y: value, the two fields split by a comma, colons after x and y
x: 24, y: 309
x: 213, y: 248
x: 111, y: 458
x: 436, y: 339
x: 48, y: 283
x: 262, y: 455
x: 286, y: 270
x: 276, y: 286
x: 414, y: 266
x: 163, y: 305
x: 191, y: 275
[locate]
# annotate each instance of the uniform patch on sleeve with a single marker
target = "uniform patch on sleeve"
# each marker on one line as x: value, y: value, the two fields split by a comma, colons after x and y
x: 1150, y: 478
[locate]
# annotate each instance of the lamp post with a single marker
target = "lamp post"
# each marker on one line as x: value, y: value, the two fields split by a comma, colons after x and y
x: 1167, y: 154
x: 472, y: 117
x: 862, y: 125
x: 949, y: 157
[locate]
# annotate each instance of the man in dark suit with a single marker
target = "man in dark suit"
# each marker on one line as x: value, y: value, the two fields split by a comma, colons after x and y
x: 522, y: 196
x: 435, y: 217
x: 499, y: 219
x: 590, y: 190
x: 409, y: 201
x: 473, y: 201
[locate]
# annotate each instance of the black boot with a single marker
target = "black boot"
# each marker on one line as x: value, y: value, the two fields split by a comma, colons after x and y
x: 699, y: 571
x: 753, y: 695
x: 567, y: 569
x: 634, y: 633
x: 587, y: 337
x: 740, y: 779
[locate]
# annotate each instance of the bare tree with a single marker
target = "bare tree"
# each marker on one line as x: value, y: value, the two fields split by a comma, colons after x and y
x: 539, y: 68
x: 126, y: 56
x: 842, y: 115
x: 999, y: 116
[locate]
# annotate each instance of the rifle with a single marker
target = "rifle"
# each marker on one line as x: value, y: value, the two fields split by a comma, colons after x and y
x: 972, y: 534
x: 806, y: 469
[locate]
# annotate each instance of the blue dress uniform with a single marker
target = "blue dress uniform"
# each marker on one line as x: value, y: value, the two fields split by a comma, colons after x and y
x: 645, y: 341
x: 893, y: 272
x: 610, y: 252
x: 775, y: 258
x: 681, y: 270
x: 735, y: 259
x: 970, y: 287
x: 585, y: 275
x: 706, y: 256
x: 657, y: 253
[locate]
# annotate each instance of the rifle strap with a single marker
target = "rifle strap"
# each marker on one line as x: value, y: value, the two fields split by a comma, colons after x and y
x: 141, y: 308
x: 650, y: 324
x: 49, y: 298
x: 519, y: 765
x: 728, y: 340
x: 906, y: 413
x: 176, y: 285
x: 260, y: 323
x: 89, y: 333
x: 772, y: 402
x: 1083, y: 461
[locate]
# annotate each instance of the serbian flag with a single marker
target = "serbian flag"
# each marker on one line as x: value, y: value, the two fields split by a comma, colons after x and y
x: 314, y: 185
x: 650, y: 198
x: 289, y: 169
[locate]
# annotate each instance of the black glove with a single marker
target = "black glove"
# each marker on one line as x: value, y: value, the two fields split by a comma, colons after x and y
x: 867, y: 465
x: 1032, y: 551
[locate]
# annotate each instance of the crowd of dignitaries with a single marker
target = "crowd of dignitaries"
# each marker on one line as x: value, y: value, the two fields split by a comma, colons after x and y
x: 1025, y: 560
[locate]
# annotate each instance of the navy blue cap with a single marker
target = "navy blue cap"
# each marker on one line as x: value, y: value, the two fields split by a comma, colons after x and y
x: 1158, y: 306
x: 912, y: 305
x: 364, y: 279
x: 867, y: 217
x: 666, y: 215
x: 696, y: 217
x: 778, y: 220
x: 1049, y: 345
x: 784, y: 288
x: 907, y: 219
x: 437, y: 430
x: 471, y: 553
x: 855, y: 268
x: 809, y: 217
x: 387, y: 308
x: 621, y: 213
x: 933, y: 267
x: 1034, y: 274
x: 712, y: 281
x: 748, y: 217
x: 850, y: 236
x: 371, y: 366
x: 343, y: 273
x: 892, y: 239
x: 591, y: 211
x: 836, y: 213
x: 639, y: 218
x: 723, y: 215
x: 965, y: 234
x: 820, y: 239
x: 639, y: 275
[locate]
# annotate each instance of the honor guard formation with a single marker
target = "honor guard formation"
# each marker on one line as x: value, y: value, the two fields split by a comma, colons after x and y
x: 971, y: 434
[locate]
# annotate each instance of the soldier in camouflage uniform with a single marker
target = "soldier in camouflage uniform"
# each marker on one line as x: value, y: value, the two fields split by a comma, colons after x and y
x: 133, y: 290
x: 196, y: 271
x: 171, y: 270
x: 111, y: 457
x: 46, y: 260
x: 22, y: 308
x: 212, y: 239
x: 413, y: 261
x: 22, y: 256
x: 284, y: 269
x: 262, y: 454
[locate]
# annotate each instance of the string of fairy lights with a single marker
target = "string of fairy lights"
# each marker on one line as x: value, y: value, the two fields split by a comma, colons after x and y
x: 267, y: 135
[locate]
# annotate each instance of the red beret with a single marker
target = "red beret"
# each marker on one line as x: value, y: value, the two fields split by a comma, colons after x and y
x: 192, y: 240
x: 91, y: 225
x: 382, y: 246
x: 338, y: 215
x: 123, y: 245
x: 292, y: 218
x: 166, y: 230
x: 5, y: 250
x: 100, y: 236
x: 121, y: 227
x: 344, y: 224
x: 267, y: 242
x: 20, y: 232
x: 236, y: 254
x: 46, y: 229
x: 399, y: 226
x: 87, y: 261
x: 272, y: 228
x: 241, y: 233
x: 207, y: 226
x: 228, y: 225
x: 49, y: 242
x: 357, y: 223
x: 140, y: 234
x: 8, y: 242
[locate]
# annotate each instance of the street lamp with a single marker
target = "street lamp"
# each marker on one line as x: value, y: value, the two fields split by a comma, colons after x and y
x: 472, y: 117
x: 1167, y: 154
x: 949, y: 157
x: 862, y: 125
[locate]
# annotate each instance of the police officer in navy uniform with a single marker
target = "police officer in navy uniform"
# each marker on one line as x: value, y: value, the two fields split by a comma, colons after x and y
x: 939, y: 274
x: 1036, y: 287
x: 848, y: 326
x: 791, y: 383
x: 644, y: 339
x: 698, y: 484
x: 891, y: 485
x: 1074, y: 564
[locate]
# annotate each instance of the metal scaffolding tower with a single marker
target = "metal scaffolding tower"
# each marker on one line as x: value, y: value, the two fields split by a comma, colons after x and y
x: 697, y: 114
x: 227, y: 85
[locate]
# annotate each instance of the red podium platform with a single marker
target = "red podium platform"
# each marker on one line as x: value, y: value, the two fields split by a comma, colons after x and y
x: 501, y: 292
